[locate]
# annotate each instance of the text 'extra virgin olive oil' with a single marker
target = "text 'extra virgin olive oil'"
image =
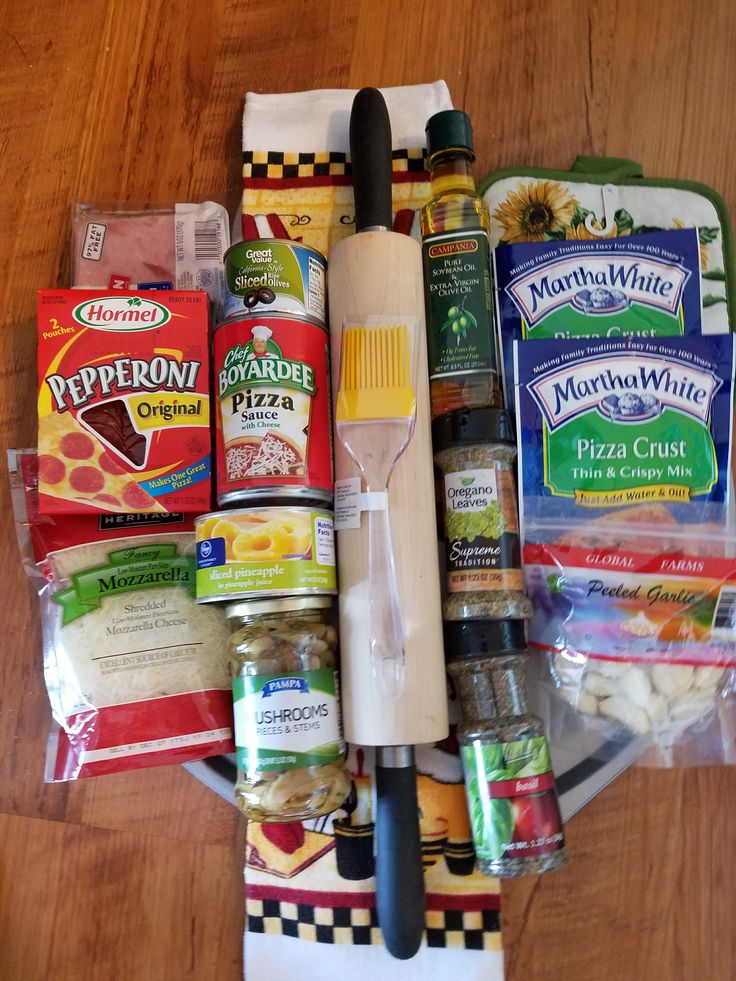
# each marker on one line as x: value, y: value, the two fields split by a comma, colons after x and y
x: 463, y: 364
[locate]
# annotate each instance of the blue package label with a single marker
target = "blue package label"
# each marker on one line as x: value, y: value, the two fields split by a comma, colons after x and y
x: 636, y: 286
x: 210, y: 552
x: 180, y: 480
x: 604, y: 424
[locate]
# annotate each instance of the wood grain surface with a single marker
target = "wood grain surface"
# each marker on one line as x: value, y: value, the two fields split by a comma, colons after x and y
x: 139, y: 876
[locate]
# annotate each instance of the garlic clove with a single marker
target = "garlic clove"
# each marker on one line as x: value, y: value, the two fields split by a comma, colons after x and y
x: 707, y: 676
x: 596, y: 684
x: 636, y: 686
x: 631, y: 715
x: 672, y: 678
x: 656, y: 709
x: 612, y: 669
x: 587, y: 703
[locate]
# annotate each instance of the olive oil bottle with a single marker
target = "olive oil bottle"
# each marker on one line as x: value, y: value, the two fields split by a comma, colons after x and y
x: 463, y: 363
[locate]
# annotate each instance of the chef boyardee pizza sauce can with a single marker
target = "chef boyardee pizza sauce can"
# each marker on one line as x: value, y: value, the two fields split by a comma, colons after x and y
x: 271, y: 382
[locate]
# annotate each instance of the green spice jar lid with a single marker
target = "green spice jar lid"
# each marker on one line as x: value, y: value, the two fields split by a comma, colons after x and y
x: 448, y: 130
x: 483, y: 638
x: 472, y: 426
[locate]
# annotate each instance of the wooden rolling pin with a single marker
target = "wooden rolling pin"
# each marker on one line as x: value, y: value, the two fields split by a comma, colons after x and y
x: 375, y: 277
x: 378, y: 274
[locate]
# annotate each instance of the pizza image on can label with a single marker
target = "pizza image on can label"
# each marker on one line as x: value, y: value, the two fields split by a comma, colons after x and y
x: 271, y: 455
x: 73, y: 466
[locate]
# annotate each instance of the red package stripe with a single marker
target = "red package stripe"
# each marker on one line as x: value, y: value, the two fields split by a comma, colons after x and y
x: 522, y: 786
x: 367, y: 899
x: 403, y: 220
x: 172, y: 729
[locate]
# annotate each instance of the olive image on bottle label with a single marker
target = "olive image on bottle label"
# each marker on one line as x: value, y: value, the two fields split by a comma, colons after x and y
x: 458, y: 291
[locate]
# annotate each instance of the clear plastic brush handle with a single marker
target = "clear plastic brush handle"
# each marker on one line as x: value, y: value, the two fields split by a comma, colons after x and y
x: 388, y: 657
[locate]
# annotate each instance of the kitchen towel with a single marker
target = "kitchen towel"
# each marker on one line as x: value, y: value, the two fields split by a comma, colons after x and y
x: 309, y: 886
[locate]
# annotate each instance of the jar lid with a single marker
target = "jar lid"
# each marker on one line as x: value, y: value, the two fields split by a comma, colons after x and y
x: 447, y: 130
x: 472, y: 426
x: 483, y: 638
x: 277, y: 604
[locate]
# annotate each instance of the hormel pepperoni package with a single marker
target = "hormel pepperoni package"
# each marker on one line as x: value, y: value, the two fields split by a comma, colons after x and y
x: 123, y: 402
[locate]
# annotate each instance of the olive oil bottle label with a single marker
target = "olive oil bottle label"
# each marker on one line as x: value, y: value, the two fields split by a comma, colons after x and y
x: 481, y: 531
x: 458, y: 301
x: 512, y: 800
x: 283, y: 722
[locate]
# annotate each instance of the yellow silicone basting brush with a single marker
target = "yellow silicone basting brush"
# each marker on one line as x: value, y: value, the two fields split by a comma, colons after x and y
x: 375, y: 416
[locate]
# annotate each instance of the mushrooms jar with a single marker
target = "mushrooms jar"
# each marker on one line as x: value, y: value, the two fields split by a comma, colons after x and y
x: 288, y: 731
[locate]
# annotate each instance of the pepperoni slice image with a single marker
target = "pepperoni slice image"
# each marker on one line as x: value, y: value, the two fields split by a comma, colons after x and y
x: 135, y: 497
x: 113, y: 422
x: 86, y: 480
x: 77, y: 446
x: 108, y: 499
x: 109, y: 465
x: 50, y: 469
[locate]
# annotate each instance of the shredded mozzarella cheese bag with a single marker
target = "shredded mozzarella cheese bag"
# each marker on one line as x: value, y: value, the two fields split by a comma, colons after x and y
x: 136, y: 671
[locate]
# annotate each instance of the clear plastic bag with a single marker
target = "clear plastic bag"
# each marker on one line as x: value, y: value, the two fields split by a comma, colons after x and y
x: 638, y: 621
x: 178, y: 248
x: 135, y: 671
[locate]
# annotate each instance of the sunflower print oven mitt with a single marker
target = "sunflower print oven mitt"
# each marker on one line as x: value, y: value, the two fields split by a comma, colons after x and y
x: 602, y: 197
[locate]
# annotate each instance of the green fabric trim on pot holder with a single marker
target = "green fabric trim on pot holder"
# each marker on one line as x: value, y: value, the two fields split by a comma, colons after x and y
x: 623, y: 174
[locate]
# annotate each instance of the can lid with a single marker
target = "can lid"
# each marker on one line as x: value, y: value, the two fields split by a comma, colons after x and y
x: 472, y: 426
x: 447, y: 130
x: 483, y: 638
x: 270, y: 316
x: 276, y: 604
x: 235, y: 512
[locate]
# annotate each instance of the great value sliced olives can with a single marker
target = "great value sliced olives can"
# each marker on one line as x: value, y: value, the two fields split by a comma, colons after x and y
x: 273, y: 437
x: 253, y: 553
x: 275, y: 276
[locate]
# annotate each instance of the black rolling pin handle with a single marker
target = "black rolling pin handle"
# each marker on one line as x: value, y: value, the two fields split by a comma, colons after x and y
x: 370, y: 154
x: 399, y: 871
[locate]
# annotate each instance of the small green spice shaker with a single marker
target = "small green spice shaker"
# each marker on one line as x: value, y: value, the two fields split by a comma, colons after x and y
x: 475, y: 450
x: 509, y: 783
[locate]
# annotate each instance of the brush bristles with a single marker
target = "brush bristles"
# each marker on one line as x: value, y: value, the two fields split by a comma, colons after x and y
x: 375, y: 373
x: 375, y: 357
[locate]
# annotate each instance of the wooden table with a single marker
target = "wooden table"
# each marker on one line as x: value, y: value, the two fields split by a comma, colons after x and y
x: 139, y: 876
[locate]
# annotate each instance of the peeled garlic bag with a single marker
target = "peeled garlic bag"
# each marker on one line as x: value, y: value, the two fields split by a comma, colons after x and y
x: 637, y: 614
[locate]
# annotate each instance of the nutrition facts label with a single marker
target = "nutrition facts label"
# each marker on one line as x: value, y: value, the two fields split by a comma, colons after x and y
x: 316, y: 291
